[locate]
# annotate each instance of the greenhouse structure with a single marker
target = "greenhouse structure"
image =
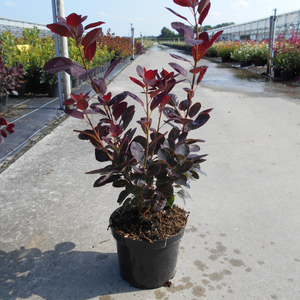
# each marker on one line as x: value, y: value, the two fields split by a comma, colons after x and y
x: 16, y: 27
x: 286, y: 25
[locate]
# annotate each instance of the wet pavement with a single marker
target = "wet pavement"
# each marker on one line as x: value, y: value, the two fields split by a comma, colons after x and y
x: 250, y: 80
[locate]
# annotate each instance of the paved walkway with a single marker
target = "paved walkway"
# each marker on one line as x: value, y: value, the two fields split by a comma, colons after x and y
x: 242, y: 239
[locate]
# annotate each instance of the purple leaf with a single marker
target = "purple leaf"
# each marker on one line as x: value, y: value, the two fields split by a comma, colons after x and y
x: 178, y: 57
x: 118, y: 98
x: 179, y: 69
x: 164, y: 190
x: 93, y: 25
x: 140, y: 70
x: 74, y: 113
x: 91, y: 37
x: 182, y: 150
x: 157, y: 100
x: 194, y: 148
x: 192, y: 42
x: 60, y: 28
x: 133, y: 96
x: 183, y: 29
x: 111, y: 67
x: 94, y: 107
x: 202, y: 5
x: 127, y: 116
x: 101, y: 155
x: 200, y: 120
x: 76, y: 70
x: 90, y: 51
x: 90, y: 112
x: 145, y: 124
x: 194, y: 109
x: 164, y: 156
x: 138, y: 151
x: 106, y: 179
x: 58, y: 64
x: 101, y: 85
x: 175, y: 13
x: 204, y: 13
x: 119, y: 109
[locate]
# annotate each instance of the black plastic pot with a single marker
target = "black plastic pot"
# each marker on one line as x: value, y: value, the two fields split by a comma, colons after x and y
x: 277, y: 72
x: 259, y: 62
x: 287, y: 75
x: 53, y: 90
x: 225, y: 59
x: 246, y: 63
x: 3, y: 103
x: 147, y: 265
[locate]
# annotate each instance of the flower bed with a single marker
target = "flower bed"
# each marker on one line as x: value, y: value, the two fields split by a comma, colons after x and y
x: 250, y: 51
x: 225, y: 49
x: 287, y: 53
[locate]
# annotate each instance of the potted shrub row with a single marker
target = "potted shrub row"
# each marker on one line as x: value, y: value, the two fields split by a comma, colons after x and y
x: 286, y: 62
x: 150, y: 168
x: 9, y: 81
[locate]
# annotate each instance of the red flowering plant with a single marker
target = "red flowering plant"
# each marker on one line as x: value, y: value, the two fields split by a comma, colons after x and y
x: 154, y: 167
x: 287, y: 52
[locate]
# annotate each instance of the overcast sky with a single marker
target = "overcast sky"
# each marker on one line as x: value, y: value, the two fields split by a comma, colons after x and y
x: 148, y: 17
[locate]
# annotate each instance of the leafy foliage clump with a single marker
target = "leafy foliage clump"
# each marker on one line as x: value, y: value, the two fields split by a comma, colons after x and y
x: 150, y: 168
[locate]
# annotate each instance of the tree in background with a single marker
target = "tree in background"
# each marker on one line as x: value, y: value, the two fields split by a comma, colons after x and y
x: 167, y: 33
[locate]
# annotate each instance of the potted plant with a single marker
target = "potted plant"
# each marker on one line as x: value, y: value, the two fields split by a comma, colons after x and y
x: 225, y: 49
x: 260, y: 53
x: 286, y: 57
x: 244, y: 54
x: 9, y: 82
x: 152, y: 168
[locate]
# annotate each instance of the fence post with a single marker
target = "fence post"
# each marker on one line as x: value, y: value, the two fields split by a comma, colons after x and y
x: 57, y: 55
x: 271, y: 42
x: 64, y: 52
x: 132, y: 41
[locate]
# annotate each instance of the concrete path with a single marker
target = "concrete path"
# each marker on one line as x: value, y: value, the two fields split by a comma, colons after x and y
x: 242, y: 239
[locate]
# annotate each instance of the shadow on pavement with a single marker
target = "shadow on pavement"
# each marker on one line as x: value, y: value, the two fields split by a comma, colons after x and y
x: 59, y: 274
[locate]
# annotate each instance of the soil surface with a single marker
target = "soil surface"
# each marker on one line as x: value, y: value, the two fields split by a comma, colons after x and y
x: 128, y: 222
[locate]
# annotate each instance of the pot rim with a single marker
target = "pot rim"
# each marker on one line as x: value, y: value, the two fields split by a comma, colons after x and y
x: 158, y: 244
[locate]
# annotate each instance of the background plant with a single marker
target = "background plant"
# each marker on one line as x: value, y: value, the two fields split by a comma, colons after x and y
x: 225, y: 49
x: 121, y: 47
x: 250, y: 50
x: 260, y: 50
x: 287, y: 52
x: 153, y: 167
x: 9, y: 77
x: 243, y: 52
x: 29, y: 50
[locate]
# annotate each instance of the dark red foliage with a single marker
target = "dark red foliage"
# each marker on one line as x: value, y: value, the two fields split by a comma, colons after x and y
x: 185, y: 3
x: 204, y: 13
x: 146, y: 167
x: 5, y: 129
x: 72, y: 27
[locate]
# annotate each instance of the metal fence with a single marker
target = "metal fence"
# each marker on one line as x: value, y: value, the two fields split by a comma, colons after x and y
x: 16, y: 27
x: 259, y: 30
